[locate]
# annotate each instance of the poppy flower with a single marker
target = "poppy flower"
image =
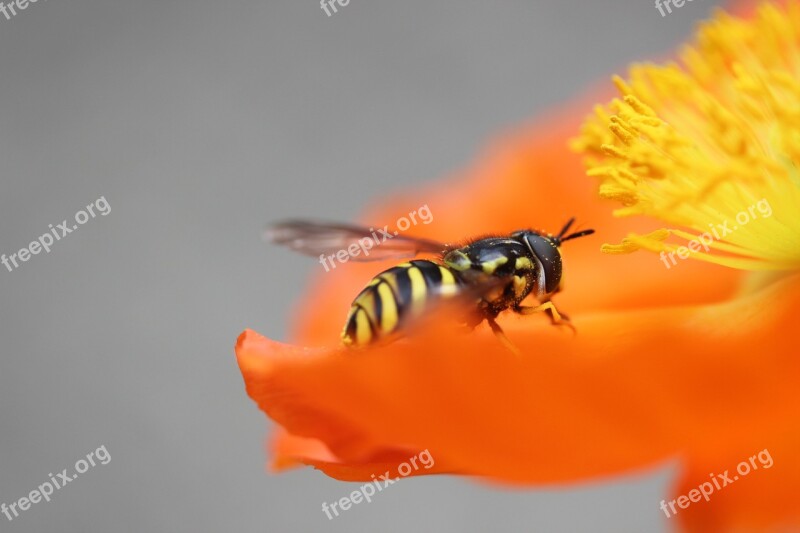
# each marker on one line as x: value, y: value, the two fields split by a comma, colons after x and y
x: 690, y: 359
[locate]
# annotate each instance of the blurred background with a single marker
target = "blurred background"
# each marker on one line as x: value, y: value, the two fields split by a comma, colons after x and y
x: 199, y: 122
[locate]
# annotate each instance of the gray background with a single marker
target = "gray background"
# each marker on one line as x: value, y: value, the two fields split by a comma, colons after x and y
x: 199, y: 121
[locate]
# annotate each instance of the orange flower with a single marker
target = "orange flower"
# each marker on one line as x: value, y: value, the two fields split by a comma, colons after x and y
x: 693, y: 362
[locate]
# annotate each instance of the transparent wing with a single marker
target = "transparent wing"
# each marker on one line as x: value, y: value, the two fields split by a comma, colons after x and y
x: 488, y: 288
x: 462, y: 303
x: 316, y: 238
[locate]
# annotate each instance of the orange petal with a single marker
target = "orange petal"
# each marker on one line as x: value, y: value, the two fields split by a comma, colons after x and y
x: 760, y: 495
x: 639, y: 386
x: 291, y: 450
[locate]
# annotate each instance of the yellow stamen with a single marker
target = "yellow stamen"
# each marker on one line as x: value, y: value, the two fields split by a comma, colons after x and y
x: 712, y: 146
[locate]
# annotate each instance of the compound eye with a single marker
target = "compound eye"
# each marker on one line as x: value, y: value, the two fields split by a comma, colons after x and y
x: 524, y: 234
x: 548, y: 255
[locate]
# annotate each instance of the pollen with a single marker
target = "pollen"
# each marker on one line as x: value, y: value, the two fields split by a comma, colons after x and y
x: 710, y: 146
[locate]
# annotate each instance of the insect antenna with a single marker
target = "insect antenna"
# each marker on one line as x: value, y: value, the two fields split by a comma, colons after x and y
x: 582, y: 233
x: 558, y: 239
x: 565, y: 229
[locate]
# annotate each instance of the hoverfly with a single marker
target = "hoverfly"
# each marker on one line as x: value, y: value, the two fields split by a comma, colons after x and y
x: 493, y: 274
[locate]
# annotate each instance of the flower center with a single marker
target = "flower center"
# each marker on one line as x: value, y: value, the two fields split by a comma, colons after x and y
x: 711, y: 148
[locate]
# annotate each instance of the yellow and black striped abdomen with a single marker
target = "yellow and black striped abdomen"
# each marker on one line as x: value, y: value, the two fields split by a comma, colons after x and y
x: 393, y: 297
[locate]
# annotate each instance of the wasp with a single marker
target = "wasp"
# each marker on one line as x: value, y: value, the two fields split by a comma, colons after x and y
x: 491, y: 274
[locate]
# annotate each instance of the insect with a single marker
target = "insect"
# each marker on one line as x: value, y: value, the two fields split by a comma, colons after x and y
x: 489, y: 274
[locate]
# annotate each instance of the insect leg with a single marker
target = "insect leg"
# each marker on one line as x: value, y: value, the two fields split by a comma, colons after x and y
x: 548, y: 307
x: 498, y: 332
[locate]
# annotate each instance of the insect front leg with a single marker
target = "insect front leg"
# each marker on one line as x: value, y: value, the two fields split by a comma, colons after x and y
x: 556, y: 318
